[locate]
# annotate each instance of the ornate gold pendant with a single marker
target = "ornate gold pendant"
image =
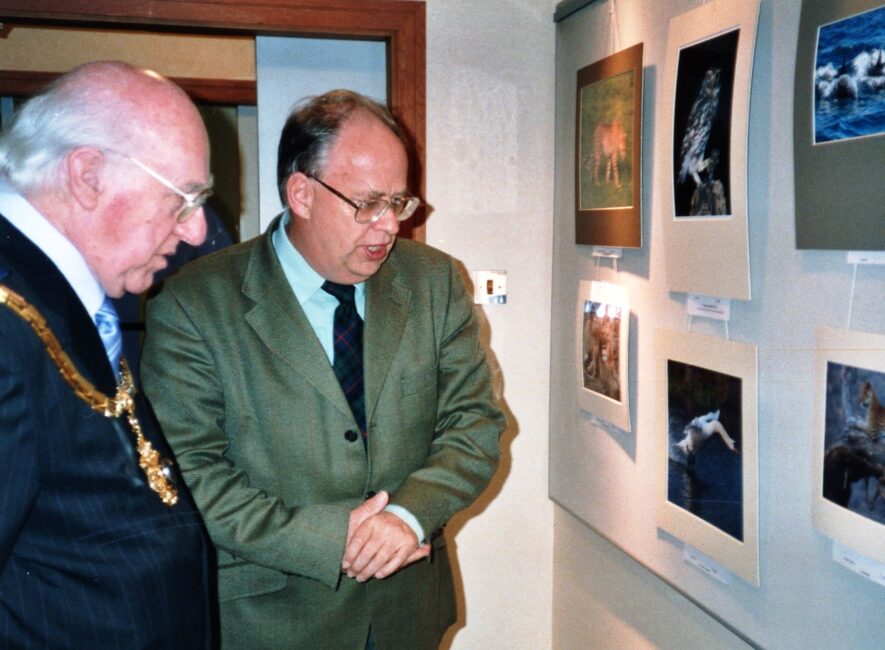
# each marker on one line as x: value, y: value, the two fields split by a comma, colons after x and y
x: 158, y: 470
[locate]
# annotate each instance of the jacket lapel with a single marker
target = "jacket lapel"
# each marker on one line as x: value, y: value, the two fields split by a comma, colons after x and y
x: 280, y: 323
x: 34, y: 274
x: 387, y: 308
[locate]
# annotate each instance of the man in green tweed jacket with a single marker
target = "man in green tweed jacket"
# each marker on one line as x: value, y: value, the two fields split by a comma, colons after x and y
x: 327, y: 512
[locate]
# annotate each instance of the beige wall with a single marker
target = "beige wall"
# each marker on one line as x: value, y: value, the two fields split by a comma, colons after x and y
x: 490, y: 83
x: 173, y: 55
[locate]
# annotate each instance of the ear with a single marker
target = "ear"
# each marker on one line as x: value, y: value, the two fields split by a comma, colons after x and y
x: 83, y: 166
x: 299, y: 195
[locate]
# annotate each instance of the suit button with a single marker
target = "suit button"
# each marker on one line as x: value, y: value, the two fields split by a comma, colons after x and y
x: 351, y: 436
x: 370, y: 494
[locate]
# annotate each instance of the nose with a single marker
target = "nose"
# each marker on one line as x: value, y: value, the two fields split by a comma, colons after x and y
x: 193, y: 231
x: 387, y: 223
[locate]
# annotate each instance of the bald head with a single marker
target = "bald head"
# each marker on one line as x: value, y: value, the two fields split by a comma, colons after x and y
x: 107, y: 105
x: 115, y: 157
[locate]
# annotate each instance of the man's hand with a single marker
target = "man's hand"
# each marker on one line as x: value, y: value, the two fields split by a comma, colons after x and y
x: 379, y: 543
x: 365, y: 510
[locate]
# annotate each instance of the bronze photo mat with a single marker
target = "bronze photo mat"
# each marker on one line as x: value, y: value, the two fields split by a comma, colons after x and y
x: 611, y: 226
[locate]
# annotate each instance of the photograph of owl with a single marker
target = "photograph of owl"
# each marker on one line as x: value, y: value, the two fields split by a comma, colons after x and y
x: 702, y: 127
x: 697, y: 131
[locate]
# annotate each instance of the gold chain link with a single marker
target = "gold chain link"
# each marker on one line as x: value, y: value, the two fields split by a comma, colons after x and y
x: 154, y: 467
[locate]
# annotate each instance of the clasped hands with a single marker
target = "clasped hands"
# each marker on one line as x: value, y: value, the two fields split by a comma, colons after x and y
x: 378, y: 542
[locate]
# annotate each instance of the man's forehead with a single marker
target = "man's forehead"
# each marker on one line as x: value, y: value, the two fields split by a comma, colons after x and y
x: 362, y: 124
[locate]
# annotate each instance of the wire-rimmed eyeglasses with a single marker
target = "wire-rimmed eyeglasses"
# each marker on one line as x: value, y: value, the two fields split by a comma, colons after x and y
x: 193, y: 201
x: 366, y: 212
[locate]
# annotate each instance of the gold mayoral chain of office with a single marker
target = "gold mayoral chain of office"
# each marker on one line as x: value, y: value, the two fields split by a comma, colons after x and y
x: 157, y: 469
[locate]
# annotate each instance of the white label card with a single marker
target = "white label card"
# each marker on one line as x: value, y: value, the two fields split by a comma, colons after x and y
x: 709, y: 566
x: 866, y: 257
x: 861, y: 565
x: 607, y: 251
x: 709, y: 307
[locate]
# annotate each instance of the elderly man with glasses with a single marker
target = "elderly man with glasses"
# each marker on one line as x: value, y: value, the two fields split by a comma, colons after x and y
x: 328, y: 399
x: 101, y: 176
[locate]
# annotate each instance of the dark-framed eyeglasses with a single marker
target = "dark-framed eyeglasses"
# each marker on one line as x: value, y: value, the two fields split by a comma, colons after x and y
x: 366, y: 212
x: 193, y: 201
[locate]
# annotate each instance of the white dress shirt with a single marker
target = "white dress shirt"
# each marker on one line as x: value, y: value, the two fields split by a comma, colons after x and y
x: 33, y: 225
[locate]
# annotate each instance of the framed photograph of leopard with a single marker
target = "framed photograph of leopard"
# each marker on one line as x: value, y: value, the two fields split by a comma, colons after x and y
x: 849, y: 453
x: 602, y: 351
x: 608, y: 151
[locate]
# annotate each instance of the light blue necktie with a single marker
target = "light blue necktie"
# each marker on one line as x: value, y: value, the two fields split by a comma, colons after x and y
x: 109, y: 330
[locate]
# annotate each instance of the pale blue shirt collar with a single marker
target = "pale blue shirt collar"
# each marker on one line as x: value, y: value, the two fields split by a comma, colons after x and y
x: 58, y: 248
x: 317, y: 305
x: 305, y: 282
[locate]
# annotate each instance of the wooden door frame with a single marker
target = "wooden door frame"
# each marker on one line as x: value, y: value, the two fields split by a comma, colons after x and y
x: 399, y: 23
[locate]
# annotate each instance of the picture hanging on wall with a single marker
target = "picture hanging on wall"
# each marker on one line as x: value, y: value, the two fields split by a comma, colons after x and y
x: 608, y: 151
x: 849, y: 454
x: 706, y: 441
x: 706, y: 113
x: 702, y: 128
x: 603, y: 345
x: 839, y: 125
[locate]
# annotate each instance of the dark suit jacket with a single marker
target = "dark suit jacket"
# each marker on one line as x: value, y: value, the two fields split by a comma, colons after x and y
x: 252, y: 407
x: 89, y: 555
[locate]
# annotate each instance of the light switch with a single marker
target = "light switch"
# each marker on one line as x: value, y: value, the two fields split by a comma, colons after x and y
x: 490, y: 287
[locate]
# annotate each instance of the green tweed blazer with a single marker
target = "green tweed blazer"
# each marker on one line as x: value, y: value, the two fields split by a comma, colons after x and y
x: 249, y: 402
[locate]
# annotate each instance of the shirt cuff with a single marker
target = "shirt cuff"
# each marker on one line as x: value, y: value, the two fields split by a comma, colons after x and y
x: 409, y: 519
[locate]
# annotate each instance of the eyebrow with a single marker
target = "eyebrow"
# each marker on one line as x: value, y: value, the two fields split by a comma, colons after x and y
x: 371, y: 195
x: 374, y: 195
x: 190, y: 188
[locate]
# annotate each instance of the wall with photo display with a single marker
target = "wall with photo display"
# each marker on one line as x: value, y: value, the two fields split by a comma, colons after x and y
x: 620, y: 579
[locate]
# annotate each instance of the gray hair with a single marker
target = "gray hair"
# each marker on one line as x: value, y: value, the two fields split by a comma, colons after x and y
x: 82, y: 108
x: 312, y: 127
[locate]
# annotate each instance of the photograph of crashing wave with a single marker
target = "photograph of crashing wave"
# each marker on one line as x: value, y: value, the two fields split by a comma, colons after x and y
x: 849, y: 78
x: 854, y: 439
x: 704, y: 422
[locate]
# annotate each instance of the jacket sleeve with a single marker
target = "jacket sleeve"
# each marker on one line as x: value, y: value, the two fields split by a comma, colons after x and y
x: 181, y: 375
x: 465, y: 450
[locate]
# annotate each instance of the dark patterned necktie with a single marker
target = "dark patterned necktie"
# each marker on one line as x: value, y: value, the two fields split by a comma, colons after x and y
x: 348, y: 349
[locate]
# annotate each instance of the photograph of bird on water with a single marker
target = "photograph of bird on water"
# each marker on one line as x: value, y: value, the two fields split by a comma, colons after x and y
x: 704, y: 429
